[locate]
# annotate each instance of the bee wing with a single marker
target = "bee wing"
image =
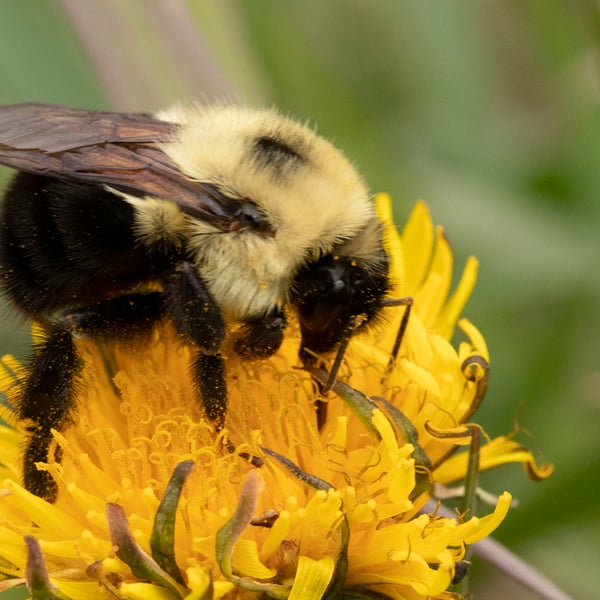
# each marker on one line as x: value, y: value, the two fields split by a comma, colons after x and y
x: 55, y: 129
x: 115, y: 149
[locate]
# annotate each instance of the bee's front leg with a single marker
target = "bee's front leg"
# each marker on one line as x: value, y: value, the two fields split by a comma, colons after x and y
x: 261, y: 338
x: 198, y: 320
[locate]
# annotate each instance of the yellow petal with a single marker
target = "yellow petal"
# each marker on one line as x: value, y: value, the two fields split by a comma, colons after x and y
x: 312, y: 578
x: 455, y: 304
x: 490, y: 522
x: 277, y: 533
x: 499, y: 451
x: 199, y: 580
x: 477, y: 340
x: 417, y: 240
x: 421, y: 376
x: 52, y: 520
x: 245, y: 560
x: 392, y: 242
x: 431, y: 295
x: 144, y: 591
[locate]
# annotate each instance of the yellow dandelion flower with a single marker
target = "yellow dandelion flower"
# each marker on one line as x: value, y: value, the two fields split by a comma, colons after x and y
x: 151, y: 505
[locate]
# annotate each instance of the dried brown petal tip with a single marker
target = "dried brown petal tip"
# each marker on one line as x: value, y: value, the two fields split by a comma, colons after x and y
x: 38, y: 582
x: 228, y: 535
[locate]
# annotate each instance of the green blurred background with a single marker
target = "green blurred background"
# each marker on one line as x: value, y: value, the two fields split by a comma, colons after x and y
x: 487, y: 109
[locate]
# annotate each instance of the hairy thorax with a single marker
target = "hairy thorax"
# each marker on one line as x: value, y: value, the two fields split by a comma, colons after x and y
x: 247, y: 275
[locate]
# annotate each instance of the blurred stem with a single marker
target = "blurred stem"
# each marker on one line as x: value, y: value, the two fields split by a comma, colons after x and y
x: 147, y: 54
x: 469, y: 506
x: 191, y: 57
x: 113, y: 46
x: 518, y: 570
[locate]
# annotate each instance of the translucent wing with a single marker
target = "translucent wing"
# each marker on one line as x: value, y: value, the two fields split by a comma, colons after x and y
x: 115, y: 149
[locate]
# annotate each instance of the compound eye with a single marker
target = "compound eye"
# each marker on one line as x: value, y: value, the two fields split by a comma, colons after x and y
x: 250, y: 217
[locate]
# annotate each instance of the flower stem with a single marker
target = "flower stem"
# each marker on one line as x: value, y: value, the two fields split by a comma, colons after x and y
x: 470, y: 498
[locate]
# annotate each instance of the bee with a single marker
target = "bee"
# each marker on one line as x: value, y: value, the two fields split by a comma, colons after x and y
x: 201, y: 216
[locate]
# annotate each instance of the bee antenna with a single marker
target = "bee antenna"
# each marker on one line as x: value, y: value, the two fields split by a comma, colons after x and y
x: 408, y: 303
x: 339, y: 357
x: 355, y: 322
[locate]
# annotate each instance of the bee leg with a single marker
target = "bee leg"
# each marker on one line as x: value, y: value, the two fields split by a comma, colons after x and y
x: 125, y: 318
x: 198, y: 320
x: 261, y: 338
x: 48, y: 398
x: 209, y: 376
x: 46, y: 402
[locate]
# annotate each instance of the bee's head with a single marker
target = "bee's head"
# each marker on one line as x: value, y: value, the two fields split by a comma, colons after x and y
x: 337, y: 295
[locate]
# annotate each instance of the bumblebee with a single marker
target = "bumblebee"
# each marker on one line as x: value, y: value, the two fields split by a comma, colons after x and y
x: 200, y: 216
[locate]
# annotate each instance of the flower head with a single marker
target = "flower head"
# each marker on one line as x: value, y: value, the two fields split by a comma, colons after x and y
x: 153, y: 504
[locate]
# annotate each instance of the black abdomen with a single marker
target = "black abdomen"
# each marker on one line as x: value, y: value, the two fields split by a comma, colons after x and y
x: 67, y: 244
